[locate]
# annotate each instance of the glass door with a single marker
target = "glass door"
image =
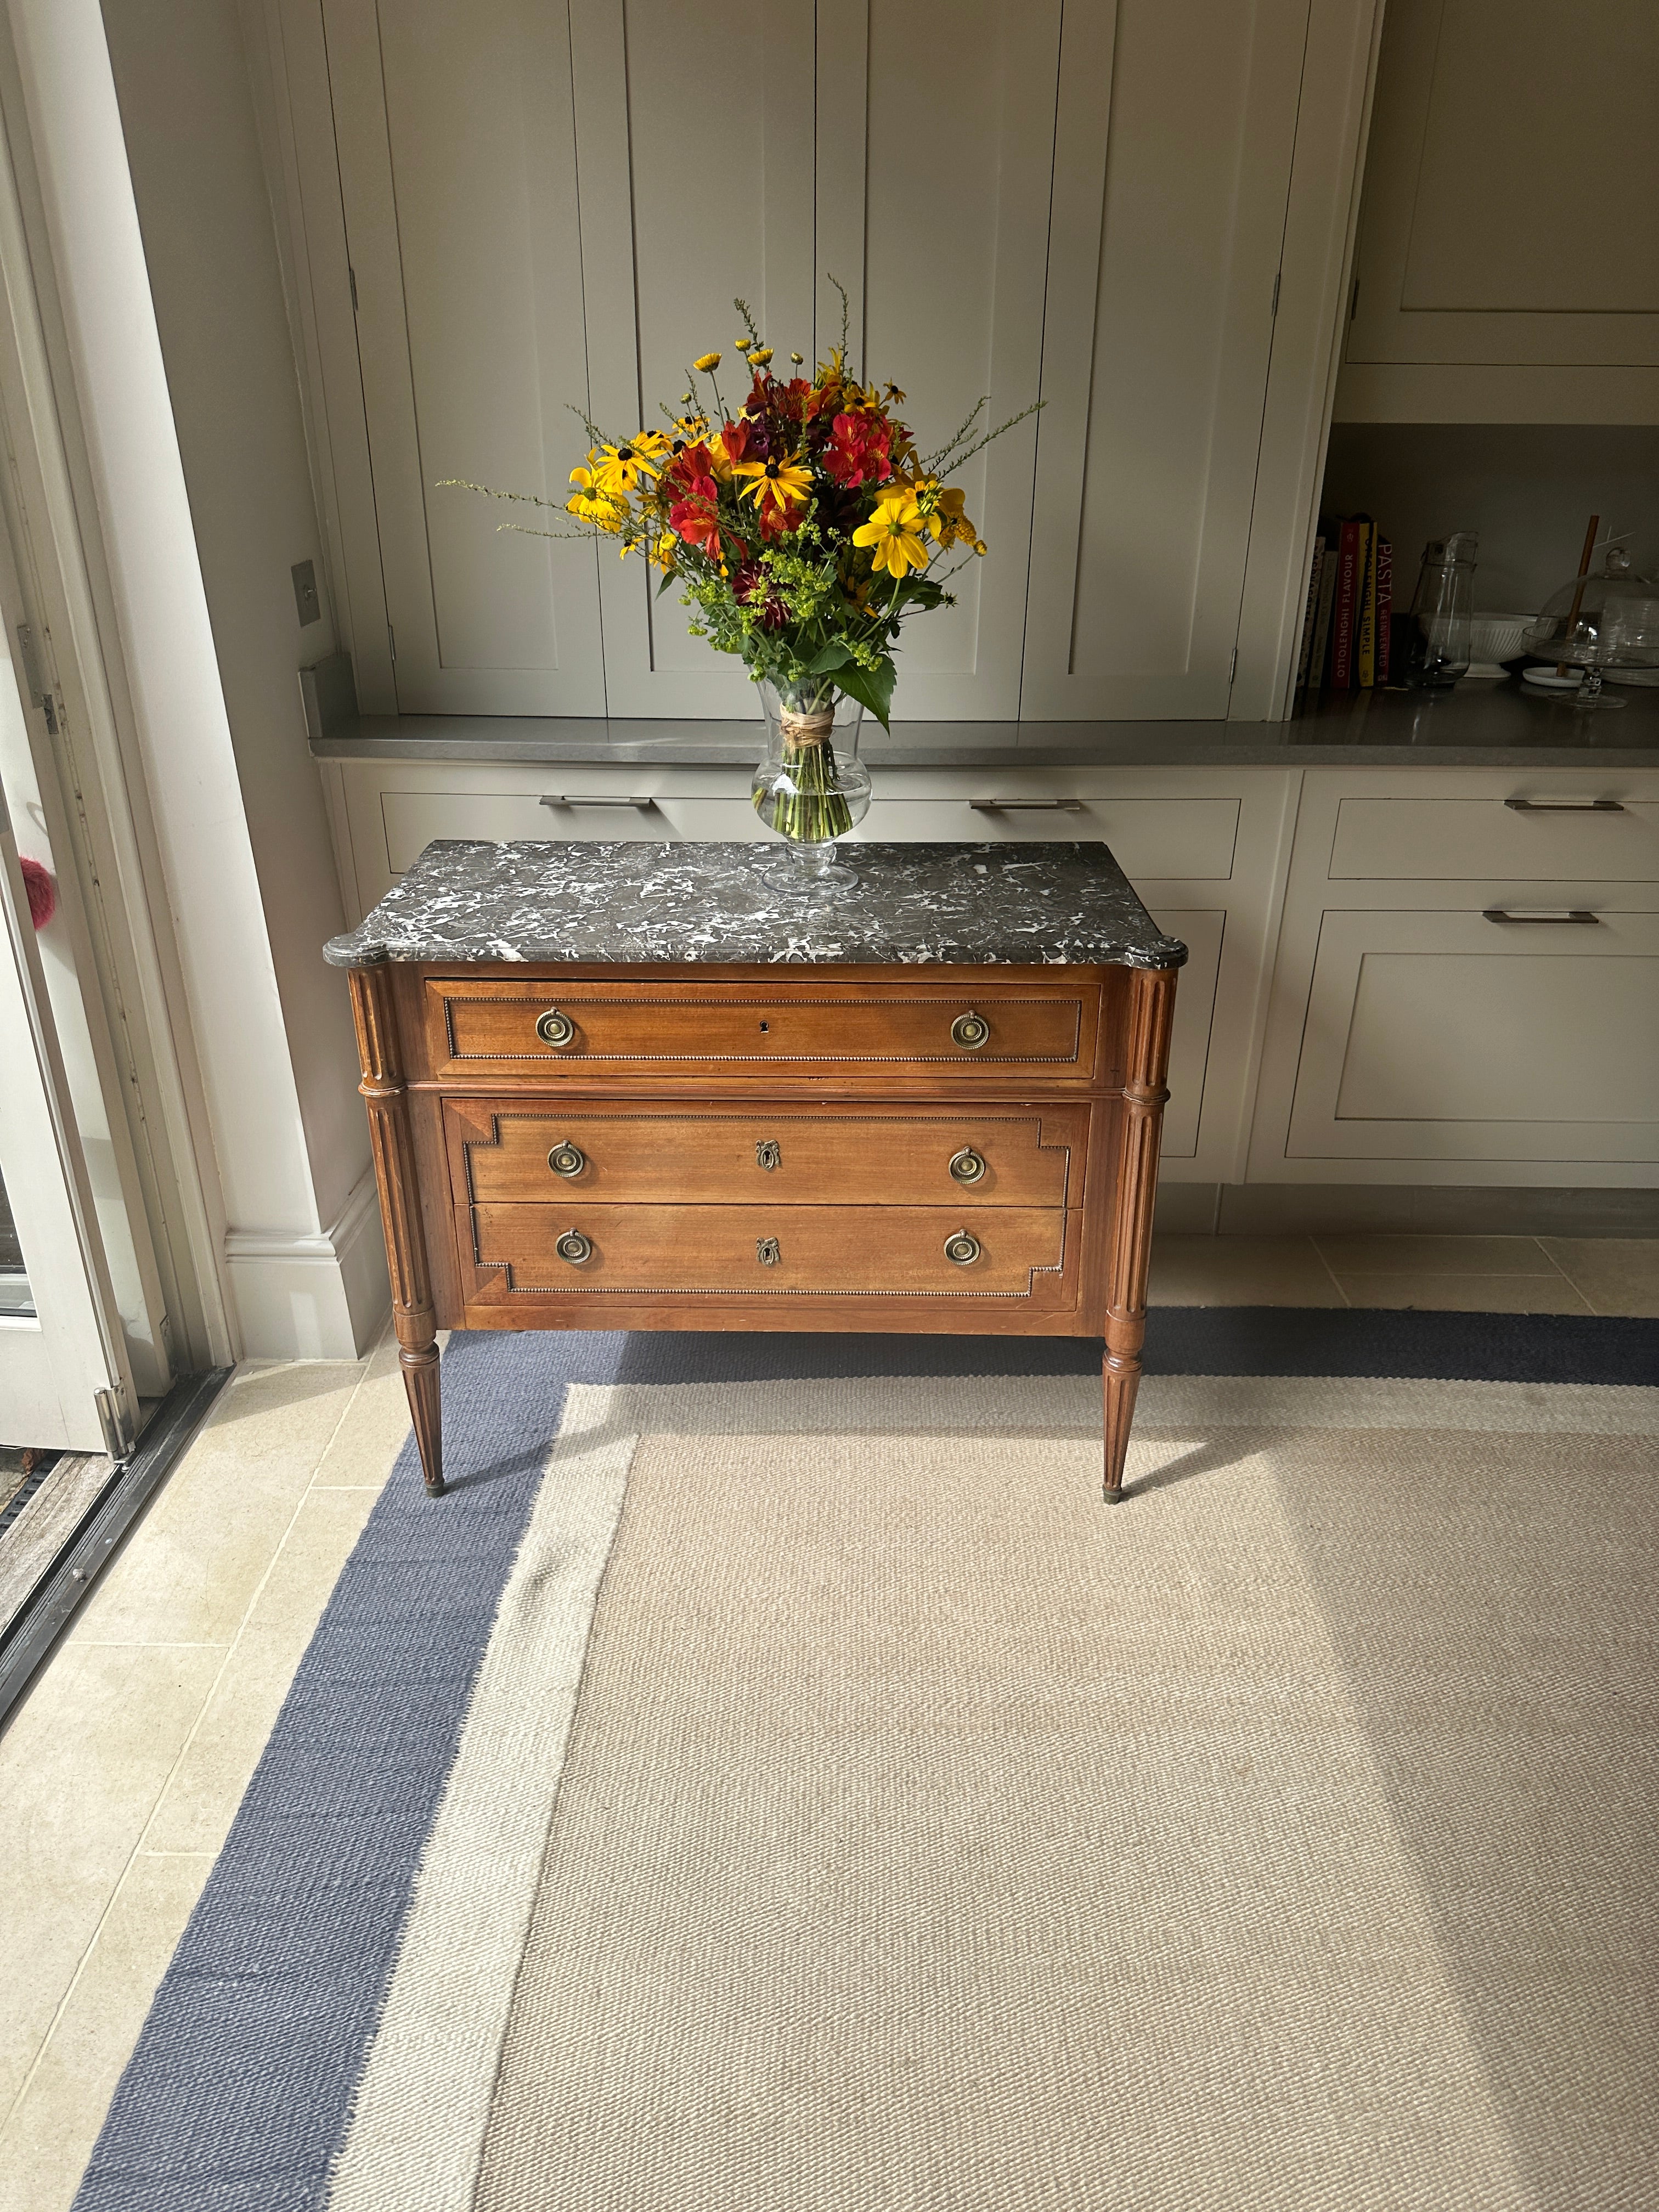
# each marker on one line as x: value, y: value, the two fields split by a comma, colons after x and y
x: 65, y: 1382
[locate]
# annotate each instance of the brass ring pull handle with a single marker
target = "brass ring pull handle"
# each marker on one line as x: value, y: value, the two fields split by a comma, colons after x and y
x: 967, y: 1165
x: 767, y: 1251
x: 555, y: 1028
x: 961, y: 1248
x: 567, y: 1159
x: 575, y: 1248
x: 970, y: 1030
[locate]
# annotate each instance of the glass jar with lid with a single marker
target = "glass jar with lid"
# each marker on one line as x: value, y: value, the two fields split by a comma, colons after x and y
x: 1437, y: 642
x: 1609, y: 620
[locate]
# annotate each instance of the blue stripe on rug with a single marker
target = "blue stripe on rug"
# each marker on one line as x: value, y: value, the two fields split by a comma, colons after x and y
x: 237, y: 2096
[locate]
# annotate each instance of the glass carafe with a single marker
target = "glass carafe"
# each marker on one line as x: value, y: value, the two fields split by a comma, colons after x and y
x: 1437, y: 645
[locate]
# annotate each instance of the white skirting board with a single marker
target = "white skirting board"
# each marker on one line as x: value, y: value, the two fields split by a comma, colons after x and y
x: 312, y: 1297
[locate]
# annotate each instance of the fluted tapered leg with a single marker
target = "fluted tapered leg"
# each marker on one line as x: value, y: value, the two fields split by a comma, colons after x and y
x: 388, y: 1099
x: 1147, y: 1060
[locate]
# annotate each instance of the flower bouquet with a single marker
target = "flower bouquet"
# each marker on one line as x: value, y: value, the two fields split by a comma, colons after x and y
x: 805, y: 529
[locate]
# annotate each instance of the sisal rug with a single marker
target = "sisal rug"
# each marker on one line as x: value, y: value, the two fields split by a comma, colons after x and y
x: 775, y: 1784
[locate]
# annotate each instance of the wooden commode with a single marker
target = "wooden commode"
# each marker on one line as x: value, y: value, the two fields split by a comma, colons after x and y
x: 636, y: 1087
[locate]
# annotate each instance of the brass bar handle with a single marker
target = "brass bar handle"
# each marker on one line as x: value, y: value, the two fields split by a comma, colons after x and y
x: 963, y: 1249
x: 1577, y: 913
x: 555, y: 1029
x: 1564, y: 805
x: 968, y: 1165
x: 767, y: 1251
x: 970, y: 1030
x: 1026, y: 805
x: 641, y: 799
x: 575, y: 1248
x: 567, y: 1159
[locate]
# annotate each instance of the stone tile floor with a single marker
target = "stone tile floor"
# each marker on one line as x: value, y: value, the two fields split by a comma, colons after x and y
x: 122, y: 1768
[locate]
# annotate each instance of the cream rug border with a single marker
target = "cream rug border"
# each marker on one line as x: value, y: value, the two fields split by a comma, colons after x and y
x: 418, y: 2123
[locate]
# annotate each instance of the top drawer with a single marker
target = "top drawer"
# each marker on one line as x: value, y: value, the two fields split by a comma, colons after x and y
x: 1542, y: 839
x: 487, y: 1027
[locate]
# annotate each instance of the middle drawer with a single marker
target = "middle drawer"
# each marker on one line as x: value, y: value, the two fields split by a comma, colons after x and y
x: 753, y: 1155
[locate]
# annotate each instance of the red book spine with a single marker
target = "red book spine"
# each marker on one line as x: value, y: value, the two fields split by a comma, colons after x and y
x: 1384, y: 606
x: 1347, y: 602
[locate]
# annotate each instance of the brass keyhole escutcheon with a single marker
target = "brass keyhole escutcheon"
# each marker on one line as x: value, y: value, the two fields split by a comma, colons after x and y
x: 963, y: 1249
x: 971, y: 1030
x: 768, y: 1154
x: 767, y: 1252
x: 555, y: 1029
x: 967, y: 1165
x: 567, y: 1159
x: 574, y: 1246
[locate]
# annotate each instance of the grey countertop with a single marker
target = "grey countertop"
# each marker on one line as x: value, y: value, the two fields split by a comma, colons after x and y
x: 1494, y: 726
x: 961, y: 905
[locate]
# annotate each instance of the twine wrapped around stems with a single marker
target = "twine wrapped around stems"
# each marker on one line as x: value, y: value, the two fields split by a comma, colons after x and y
x: 807, y: 807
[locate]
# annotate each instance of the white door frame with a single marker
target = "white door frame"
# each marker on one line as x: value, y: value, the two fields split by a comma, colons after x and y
x: 100, y: 792
x: 65, y: 1380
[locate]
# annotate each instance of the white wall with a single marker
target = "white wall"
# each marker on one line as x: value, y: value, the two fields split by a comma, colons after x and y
x: 1528, y: 489
x: 188, y: 394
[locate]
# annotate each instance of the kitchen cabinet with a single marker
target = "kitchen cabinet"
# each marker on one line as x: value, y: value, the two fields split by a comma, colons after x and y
x: 515, y: 209
x: 1467, y: 984
x: 1508, y: 257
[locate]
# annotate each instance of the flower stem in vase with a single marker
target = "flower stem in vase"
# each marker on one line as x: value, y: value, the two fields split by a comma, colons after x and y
x: 809, y: 809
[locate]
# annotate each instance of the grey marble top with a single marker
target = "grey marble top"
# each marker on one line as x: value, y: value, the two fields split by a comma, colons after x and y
x: 962, y: 905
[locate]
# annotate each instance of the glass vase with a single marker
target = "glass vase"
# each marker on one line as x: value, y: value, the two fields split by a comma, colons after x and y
x: 811, y: 786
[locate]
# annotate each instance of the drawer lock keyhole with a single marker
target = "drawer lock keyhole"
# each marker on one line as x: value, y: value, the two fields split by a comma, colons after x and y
x: 575, y: 1248
x: 963, y: 1250
x: 970, y: 1030
x: 555, y: 1029
x: 767, y: 1252
x: 567, y: 1159
x: 768, y: 1154
x: 967, y: 1165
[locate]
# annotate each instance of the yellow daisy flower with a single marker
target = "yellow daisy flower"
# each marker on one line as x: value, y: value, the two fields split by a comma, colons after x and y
x: 592, y: 502
x: 707, y: 363
x: 893, y: 536
x: 785, y: 484
x: 620, y: 467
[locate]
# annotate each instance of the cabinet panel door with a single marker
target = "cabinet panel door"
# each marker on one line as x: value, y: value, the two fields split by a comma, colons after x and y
x: 1445, y: 1036
x: 935, y: 162
x: 1171, y: 175
x: 1511, y: 208
x: 455, y: 138
x: 694, y: 146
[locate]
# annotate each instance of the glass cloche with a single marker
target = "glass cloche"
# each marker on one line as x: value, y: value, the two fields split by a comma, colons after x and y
x: 1609, y: 620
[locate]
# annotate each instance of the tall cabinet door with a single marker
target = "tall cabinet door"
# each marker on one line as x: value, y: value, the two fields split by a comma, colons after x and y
x: 456, y: 140
x: 695, y: 149
x: 936, y: 148
x: 1172, y: 163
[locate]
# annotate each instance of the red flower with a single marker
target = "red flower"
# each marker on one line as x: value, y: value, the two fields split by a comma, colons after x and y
x: 749, y: 586
x: 859, y: 450
x: 739, y: 440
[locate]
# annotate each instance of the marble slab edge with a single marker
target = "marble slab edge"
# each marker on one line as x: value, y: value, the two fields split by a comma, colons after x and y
x: 639, y: 903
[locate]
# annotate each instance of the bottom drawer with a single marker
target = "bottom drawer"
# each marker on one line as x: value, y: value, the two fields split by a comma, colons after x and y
x: 711, y: 1251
